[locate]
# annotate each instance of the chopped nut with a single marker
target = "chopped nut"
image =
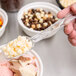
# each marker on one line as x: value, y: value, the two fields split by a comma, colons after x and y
x: 26, y: 16
x: 50, y: 22
x: 45, y: 24
x: 41, y: 20
x: 36, y: 19
x: 38, y: 25
x: 42, y: 15
x: 38, y: 9
x: 50, y: 15
x: 30, y: 17
x: 29, y: 14
x: 28, y: 24
x: 37, y: 14
x: 49, y: 12
x: 53, y: 20
x: 44, y: 18
x: 30, y: 10
x: 27, y: 20
x: 33, y: 26
x: 39, y: 17
x: 25, y: 13
x: 46, y: 15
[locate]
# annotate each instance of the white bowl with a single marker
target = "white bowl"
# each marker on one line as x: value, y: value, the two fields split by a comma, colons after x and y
x: 45, y: 5
x: 4, y: 17
x: 32, y: 52
x: 39, y: 62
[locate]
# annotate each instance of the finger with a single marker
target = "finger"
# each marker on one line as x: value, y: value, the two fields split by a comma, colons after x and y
x: 72, y: 34
x: 73, y: 8
x: 12, y: 68
x: 72, y: 41
x: 15, y: 75
x: 74, y: 26
x: 63, y: 12
x: 68, y: 28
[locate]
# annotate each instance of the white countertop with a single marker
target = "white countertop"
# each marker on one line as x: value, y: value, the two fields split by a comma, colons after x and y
x: 57, y: 54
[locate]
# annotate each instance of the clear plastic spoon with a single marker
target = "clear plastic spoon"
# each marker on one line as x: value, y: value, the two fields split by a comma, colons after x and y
x: 47, y: 32
x: 57, y: 25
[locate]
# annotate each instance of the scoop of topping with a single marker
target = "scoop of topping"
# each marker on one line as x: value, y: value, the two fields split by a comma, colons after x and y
x: 17, y: 47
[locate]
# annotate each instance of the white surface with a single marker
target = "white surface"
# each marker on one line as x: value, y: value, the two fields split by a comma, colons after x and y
x: 58, y: 56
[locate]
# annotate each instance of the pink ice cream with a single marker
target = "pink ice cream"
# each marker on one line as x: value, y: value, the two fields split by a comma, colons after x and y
x: 4, y: 69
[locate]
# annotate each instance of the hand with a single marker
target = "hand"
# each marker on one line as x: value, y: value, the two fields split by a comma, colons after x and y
x: 70, y: 28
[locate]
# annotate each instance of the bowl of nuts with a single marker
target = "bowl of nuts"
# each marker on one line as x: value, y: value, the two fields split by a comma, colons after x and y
x: 3, y: 21
x: 36, y: 17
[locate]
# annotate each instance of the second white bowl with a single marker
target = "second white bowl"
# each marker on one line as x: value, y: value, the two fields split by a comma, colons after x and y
x: 46, y: 6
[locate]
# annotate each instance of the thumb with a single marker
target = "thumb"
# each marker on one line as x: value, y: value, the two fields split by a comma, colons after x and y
x: 63, y: 12
x: 73, y: 8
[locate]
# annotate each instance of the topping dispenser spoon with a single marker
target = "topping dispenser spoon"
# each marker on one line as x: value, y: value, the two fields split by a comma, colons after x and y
x: 47, y: 32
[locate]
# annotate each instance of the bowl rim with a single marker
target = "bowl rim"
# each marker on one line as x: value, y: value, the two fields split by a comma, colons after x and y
x: 32, y: 4
x: 5, y: 22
